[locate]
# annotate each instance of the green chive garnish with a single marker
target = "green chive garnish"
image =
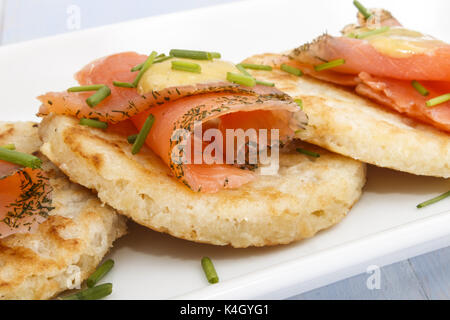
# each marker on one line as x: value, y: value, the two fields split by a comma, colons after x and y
x: 186, y: 66
x: 9, y: 146
x: 145, y: 67
x: 308, y: 153
x: 209, y: 270
x: 123, y: 84
x: 420, y: 88
x: 292, y: 70
x: 131, y: 139
x: 94, y: 293
x: 256, y: 66
x: 265, y: 83
x: 162, y: 57
x: 99, y: 96
x: 100, y: 273
x: 142, y: 136
x: 242, y: 69
x: 216, y: 55
x: 299, y: 102
x: 434, y: 200
x: 102, y: 92
x: 438, y: 100
x: 373, y: 32
x: 22, y: 159
x: 191, y: 54
x: 93, y: 87
x: 329, y: 65
x: 93, y: 123
x: 241, y: 79
x: 362, y: 9
x: 137, y: 68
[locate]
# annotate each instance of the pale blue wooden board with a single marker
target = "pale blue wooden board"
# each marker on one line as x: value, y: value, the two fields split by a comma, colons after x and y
x: 433, y: 270
x: 397, y: 281
x: 423, y: 277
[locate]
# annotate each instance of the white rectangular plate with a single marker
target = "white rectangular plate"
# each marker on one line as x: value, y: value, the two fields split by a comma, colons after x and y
x: 383, y: 227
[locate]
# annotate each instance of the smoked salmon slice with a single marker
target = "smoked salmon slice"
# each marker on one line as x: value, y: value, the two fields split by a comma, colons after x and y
x: 25, y: 199
x: 229, y: 111
x: 361, y: 56
x: 384, y: 66
x: 211, y: 104
x: 425, y: 58
x: 402, y: 96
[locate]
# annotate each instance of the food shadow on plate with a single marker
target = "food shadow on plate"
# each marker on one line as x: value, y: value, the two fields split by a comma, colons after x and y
x: 386, y: 181
x: 150, y: 242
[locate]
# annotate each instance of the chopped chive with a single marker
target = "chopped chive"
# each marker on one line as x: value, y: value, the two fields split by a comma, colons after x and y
x: 241, y: 79
x: 329, y: 65
x: 186, y: 66
x: 351, y: 35
x: 292, y: 70
x: 93, y: 123
x: 299, y: 102
x: 94, y: 293
x: 362, y: 9
x: 191, y: 54
x: 93, y: 87
x: 137, y: 68
x: 131, y: 139
x: 162, y: 57
x: 308, y: 153
x: 209, y: 270
x: 434, y: 200
x: 145, y: 67
x: 142, y: 136
x: 216, y: 55
x: 99, y: 96
x: 158, y: 58
x: 420, y: 88
x: 256, y: 66
x: 123, y: 84
x: 22, y: 159
x: 242, y: 70
x: 265, y: 83
x: 438, y: 100
x: 100, y: 273
x: 9, y: 146
x: 373, y: 32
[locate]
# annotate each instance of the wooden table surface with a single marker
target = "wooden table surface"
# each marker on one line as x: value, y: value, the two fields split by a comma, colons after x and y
x: 423, y: 277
